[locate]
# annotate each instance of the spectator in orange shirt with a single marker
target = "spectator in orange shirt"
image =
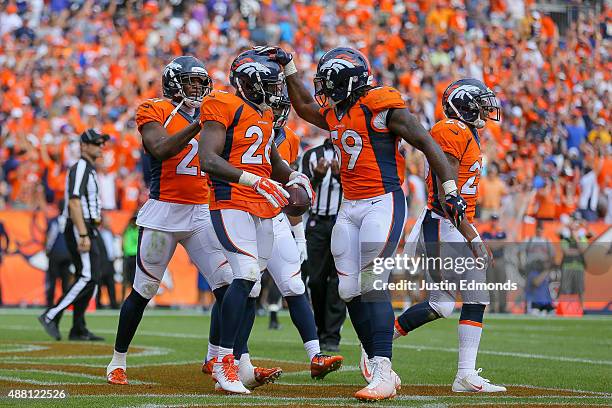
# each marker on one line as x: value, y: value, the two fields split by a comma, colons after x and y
x: 492, y: 190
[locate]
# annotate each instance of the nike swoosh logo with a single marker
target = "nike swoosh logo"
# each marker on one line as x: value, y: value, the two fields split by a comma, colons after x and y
x: 457, y: 133
x: 365, y: 368
x: 374, y: 202
x: 477, y: 388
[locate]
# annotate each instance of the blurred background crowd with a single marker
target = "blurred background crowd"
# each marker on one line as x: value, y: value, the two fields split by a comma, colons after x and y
x: 66, y: 65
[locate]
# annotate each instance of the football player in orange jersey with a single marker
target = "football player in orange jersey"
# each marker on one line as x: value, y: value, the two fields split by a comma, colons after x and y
x: 177, y: 209
x: 467, y: 104
x: 245, y: 173
x: 288, y: 253
x: 367, y: 124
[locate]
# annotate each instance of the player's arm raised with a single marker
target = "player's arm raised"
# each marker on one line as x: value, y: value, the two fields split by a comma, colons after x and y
x: 403, y: 123
x: 161, y: 145
x: 301, y: 100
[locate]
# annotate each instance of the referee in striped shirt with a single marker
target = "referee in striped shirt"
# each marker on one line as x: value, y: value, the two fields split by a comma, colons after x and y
x: 81, y: 216
x: 320, y: 165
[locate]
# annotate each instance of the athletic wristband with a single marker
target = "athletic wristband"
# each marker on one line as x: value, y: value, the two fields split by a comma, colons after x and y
x: 83, y: 235
x: 298, y: 232
x: 290, y: 68
x: 248, y: 179
x: 449, y: 187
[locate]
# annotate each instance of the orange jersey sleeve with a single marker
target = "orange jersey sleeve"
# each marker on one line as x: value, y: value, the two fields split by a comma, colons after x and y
x: 383, y: 98
x: 218, y: 106
x: 177, y: 179
x: 288, y: 144
x: 151, y: 110
x: 456, y: 139
x: 452, y: 136
x: 370, y: 161
x: 248, y: 142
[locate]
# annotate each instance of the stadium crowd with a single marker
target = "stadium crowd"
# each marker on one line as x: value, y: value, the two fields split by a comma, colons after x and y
x: 66, y: 65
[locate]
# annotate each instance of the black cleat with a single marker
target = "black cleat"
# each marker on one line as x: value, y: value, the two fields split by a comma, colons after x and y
x: 50, y: 327
x: 88, y: 336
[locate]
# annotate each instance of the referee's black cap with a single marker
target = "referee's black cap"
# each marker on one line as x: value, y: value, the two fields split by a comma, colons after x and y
x: 91, y: 136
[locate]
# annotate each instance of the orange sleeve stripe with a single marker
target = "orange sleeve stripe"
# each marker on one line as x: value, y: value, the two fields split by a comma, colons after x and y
x: 399, y: 328
x: 470, y: 323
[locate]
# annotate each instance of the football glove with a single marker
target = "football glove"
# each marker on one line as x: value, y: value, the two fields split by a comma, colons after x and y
x: 272, y: 191
x: 277, y: 54
x: 455, y: 208
x: 300, y: 178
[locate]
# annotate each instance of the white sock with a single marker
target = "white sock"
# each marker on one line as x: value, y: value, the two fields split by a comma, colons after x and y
x: 118, y: 361
x: 212, y: 352
x: 245, y: 361
x: 312, y: 348
x: 469, y: 340
x: 223, y: 352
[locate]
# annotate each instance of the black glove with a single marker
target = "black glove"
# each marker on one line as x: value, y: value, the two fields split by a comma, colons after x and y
x: 277, y: 54
x: 455, y: 208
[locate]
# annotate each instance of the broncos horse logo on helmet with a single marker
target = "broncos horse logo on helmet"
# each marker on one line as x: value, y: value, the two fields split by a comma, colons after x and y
x: 186, y: 78
x: 341, y: 72
x: 258, y: 79
x: 470, y: 101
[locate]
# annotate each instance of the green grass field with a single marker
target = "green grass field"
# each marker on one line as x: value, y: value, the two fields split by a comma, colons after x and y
x: 543, y: 362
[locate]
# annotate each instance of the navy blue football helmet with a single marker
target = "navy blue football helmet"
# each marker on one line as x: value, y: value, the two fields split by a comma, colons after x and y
x: 341, y: 72
x: 186, y: 77
x: 470, y: 101
x: 258, y: 79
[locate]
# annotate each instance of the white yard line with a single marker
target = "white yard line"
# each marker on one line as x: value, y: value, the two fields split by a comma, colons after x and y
x: 352, y: 343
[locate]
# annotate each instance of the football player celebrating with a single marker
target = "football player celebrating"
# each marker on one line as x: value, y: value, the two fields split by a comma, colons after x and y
x: 366, y: 125
x: 467, y: 104
x: 245, y: 169
x: 288, y: 253
x: 177, y: 209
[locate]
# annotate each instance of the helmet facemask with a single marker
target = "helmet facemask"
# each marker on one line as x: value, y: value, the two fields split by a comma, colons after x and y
x: 263, y: 93
x: 193, y: 87
x: 281, y: 114
x: 489, y: 106
x: 482, y: 107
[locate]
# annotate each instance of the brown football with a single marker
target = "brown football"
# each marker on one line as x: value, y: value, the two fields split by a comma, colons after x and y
x: 299, y: 202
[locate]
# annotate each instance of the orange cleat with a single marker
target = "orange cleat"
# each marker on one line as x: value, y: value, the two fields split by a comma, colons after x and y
x: 265, y: 376
x: 117, y: 377
x: 208, y: 366
x: 322, y: 364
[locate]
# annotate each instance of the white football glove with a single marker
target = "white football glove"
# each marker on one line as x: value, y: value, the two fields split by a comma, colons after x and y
x: 300, y: 240
x: 300, y: 178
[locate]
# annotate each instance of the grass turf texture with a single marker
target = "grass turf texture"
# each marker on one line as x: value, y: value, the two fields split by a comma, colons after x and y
x: 543, y: 362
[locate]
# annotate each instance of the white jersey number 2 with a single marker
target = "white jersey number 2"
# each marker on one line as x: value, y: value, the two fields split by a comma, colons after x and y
x: 183, y: 168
